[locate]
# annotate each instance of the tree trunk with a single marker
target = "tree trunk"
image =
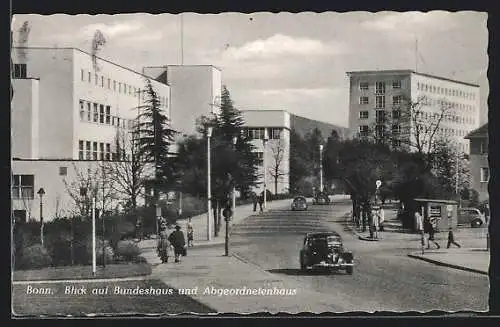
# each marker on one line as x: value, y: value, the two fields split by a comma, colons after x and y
x: 275, y: 186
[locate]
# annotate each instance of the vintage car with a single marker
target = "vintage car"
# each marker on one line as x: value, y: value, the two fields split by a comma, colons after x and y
x: 321, y: 198
x: 471, y: 216
x: 299, y: 203
x: 325, y: 251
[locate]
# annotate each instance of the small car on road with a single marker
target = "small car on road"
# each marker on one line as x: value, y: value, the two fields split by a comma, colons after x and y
x: 325, y: 251
x: 299, y: 203
x: 471, y: 217
x: 321, y: 198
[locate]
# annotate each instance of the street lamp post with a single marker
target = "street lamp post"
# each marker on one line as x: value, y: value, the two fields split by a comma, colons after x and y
x: 264, y: 163
x: 209, y: 186
x: 230, y: 214
x: 41, y: 193
x: 321, y: 167
x: 235, y: 140
x: 93, y: 238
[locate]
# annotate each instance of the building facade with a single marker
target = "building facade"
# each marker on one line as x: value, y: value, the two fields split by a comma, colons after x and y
x: 478, y: 162
x: 195, y: 91
x: 405, y: 107
x: 68, y: 110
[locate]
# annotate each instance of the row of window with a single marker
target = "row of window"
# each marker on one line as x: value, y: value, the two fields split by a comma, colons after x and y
x: 379, y: 86
x: 485, y: 174
x: 445, y: 91
x: 100, y: 113
x: 447, y: 104
x: 380, y: 100
x: 92, y: 150
x: 122, y: 88
x: 396, y: 114
x: 259, y: 133
x: 396, y: 129
x: 19, y: 71
x: 364, y: 114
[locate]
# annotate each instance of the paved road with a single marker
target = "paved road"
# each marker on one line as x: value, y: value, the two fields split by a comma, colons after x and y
x: 384, y: 279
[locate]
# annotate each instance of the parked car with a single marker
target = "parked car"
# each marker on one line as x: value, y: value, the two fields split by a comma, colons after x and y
x: 299, y: 203
x: 325, y: 251
x: 321, y: 198
x: 471, y: 216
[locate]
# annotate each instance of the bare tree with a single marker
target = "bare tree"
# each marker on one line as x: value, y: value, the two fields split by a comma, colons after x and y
x: 127, y: 173
x: 90, y: 183
x: 98, y: 41
x: 278, y: 158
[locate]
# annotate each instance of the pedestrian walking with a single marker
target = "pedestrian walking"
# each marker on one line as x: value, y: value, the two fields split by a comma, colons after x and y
x: 138, y: 229
x: 431, y: 230
x: 163, y: 243
x: 255, y: 201
x: 261, y: 203
x: 177, y: 240
x: 190, y: 232
x: 451, y: 239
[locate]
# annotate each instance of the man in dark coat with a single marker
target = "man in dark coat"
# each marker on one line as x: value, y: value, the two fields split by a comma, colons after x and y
x: 255, y: 200
x: 177, y: 240
x: 261, y: 202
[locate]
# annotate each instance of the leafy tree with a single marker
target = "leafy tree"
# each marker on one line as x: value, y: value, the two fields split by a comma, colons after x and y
x: 299, y: 167
x: 190, y: 162
x: 155, y: 138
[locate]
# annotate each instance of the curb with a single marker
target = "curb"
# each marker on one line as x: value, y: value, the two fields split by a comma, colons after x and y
x: 85, y: 280
x: 449, y: 265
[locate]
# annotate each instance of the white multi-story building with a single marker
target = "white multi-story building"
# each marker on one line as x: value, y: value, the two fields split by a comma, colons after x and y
x: 67, y: 110
x: 378, y: 98
x: 195, y: 91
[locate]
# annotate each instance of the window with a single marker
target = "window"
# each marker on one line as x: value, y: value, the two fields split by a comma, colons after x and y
x: 363, y: 100
x: 94, y: 150
x: 108, y: 115
x: 396, y: 114
x: 23, y: 187
x: 363, y: 114
x: 87, y: 150
x: 89, y: 111
x: 109, y: 83
x: 363, y: 130
x: 129, y: 89
x: 81, y: 150
x: 96, y: 79
x: 19, y: 71
x: 119, y: 87
x: 102, y: 81
x: 256, y: 133
x: 82, y: 75
x: 118, y: 122
x: 101, y: 151
x: 396, y: 84
x: 96, y: 113
x: 101, y: 114
x: 108, y: 151
x: 396, y: 129
x: 396, y: 143
x: 380, y: 101
x: 260, y: 156
x: 433, y: 89
x: 485, y: 174
x: 380, y: 116
x: 396, y: 100
x: 380, y: 88
x: 483, y: 147
x: 114, y: 85
x: 380, y: 131
x: 82, y: 110
x: 275, y: 133
x: 363, y: 85
x: 63, y: 171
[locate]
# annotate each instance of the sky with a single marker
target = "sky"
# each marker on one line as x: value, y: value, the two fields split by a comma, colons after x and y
x: 293, y: 62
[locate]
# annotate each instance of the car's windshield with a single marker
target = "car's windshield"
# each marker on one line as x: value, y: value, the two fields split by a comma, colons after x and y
x: 300, y: 200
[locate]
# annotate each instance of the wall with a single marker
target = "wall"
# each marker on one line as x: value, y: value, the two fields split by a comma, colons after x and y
x: 25, y: 118
x: 478, y: 160
x: 194, y: 90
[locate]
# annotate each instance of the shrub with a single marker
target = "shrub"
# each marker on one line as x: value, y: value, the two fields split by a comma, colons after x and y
x: 35, y: 257
x: 127, y: 250
x: 109, y: 253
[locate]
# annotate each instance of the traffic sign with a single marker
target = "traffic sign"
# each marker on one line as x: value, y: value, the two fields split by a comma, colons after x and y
x: 378, y: 183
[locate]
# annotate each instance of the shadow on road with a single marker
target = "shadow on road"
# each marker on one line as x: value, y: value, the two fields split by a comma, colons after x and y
x: 298, y: 272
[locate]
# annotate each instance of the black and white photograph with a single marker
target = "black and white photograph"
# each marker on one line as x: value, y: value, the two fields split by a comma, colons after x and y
x: 237, y: 163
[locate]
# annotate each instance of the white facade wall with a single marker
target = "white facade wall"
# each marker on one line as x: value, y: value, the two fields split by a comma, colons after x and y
x: 196, y: 91
x: 271, y: 119
x: 25, y: 119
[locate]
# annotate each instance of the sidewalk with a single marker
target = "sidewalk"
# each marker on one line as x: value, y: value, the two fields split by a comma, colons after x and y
x: 473, y: 260
x: 200, y: 225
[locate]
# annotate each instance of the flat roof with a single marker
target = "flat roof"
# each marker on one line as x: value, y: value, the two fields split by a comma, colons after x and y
x: 410, y: 71
x: 89, y: 54
x: 436, y: 201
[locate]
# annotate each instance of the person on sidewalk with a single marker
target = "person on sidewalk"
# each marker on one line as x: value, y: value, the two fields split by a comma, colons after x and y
x: 190, y: 233
x: 451, y: 239
x: 163, y: 243
x: 261, y: 203
x: 255, y: 201
x: 177, y: 240
x: 381, y: 219
x: 431, y: 229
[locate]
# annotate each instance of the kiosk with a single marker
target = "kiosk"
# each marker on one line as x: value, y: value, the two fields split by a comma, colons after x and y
x: 445, y: 212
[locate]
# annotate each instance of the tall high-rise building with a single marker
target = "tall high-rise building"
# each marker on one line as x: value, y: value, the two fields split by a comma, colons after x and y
x: 410, y: 109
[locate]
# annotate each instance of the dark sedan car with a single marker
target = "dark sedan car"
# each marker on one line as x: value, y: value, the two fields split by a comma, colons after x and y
x: 299, y: 203
x: 325, y: 251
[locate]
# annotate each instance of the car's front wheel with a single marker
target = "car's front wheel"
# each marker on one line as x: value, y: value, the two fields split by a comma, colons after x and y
x: 303, y: 267
x: 349, y: 270
x: 476, y: 223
